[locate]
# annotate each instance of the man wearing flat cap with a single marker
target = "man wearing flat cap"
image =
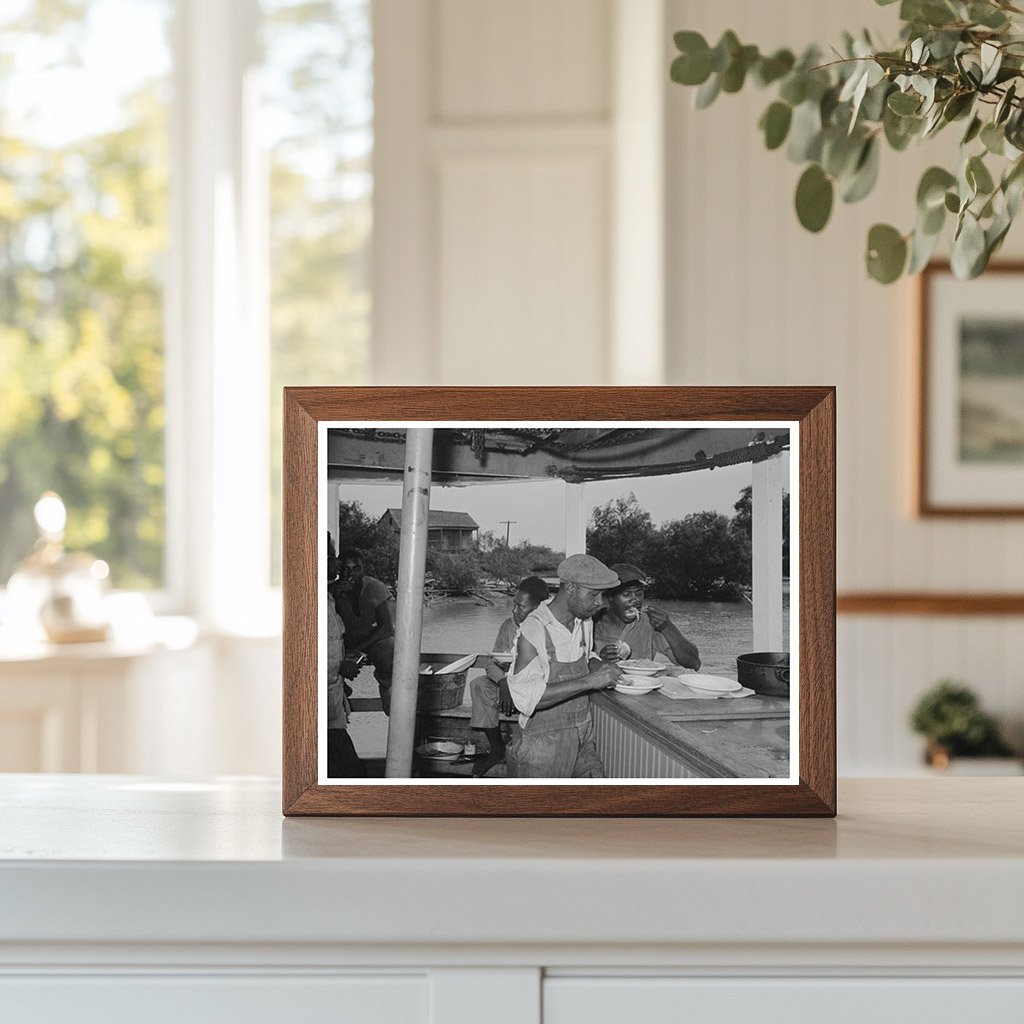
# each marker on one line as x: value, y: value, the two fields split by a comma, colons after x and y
x: 628, y: 628
x: 552, y: 677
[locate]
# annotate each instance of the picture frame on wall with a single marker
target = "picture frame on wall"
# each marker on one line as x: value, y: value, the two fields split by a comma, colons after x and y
x: 559, y: 601
x: 970, y: 422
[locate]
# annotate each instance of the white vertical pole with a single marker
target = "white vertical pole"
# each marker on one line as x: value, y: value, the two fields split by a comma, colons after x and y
x: 766, y: 514
x: 333, y: 497
x: 575, y: 520
x: 412, y: 559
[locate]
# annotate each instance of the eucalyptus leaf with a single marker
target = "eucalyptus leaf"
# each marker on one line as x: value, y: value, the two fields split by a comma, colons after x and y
x: 987, y: 15
x: 973, y: 129
x: 794, y: 88
x: 735, y: 74
x: 775, y: 123
x: 865, y: 174
x: 771, y: 69
x: 932, y: 221
x: 814, y: 195
x: 840, y: 152
x: 958, y: 105
x: 952, y: 202
x: 931, y: 190
x: 978, y: 175
x: 922, y: 248
x: 886, y: 253
x: 724, y: 51
x: 993, y: 138
x: 707, y: 93
x: 991, y: 60
x: 1005, y: 104
x: 692, y: 68
x: 805, y: 133
x: 968, y: 247
x: 904, y: 103
x: 873, y: 106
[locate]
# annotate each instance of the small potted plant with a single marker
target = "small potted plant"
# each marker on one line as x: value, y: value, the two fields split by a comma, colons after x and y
x: 950, y: 718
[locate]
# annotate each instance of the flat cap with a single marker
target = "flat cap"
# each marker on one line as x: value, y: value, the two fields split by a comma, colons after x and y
x: 628, y: 573
x: 587, y: 571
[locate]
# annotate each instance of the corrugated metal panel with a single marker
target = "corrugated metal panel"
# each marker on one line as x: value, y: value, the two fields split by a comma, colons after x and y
x: 628, y: 755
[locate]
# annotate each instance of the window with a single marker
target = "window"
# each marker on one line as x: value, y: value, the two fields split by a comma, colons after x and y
x: 185, y: 220
x: 83, y: 236
x: 317, y: 124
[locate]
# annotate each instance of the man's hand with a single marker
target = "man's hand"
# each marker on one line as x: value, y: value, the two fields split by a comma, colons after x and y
x: 349, y: 669
x: 659, y: 619
x: 604, y: 676
x: 505, y: 702
x: 610, y: 652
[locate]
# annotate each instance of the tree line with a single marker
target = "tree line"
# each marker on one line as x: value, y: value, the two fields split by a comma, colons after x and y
x: 705, y: 556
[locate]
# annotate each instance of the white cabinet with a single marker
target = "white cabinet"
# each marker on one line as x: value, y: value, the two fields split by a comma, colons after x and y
x: 203, y: 999
x: 130, y: 898
x: 823, y: 1000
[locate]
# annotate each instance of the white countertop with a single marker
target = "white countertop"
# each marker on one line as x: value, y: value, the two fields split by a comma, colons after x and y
x: 124, y: 859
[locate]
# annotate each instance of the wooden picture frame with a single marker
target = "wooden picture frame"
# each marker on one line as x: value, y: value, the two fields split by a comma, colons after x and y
x: 808, y: 416
x: 969, y: 448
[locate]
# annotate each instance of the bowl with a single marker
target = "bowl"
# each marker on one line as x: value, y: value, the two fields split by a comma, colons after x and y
x: 640, y: 667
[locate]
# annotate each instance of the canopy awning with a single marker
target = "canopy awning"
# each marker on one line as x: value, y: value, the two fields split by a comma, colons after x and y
x: 476, y: 456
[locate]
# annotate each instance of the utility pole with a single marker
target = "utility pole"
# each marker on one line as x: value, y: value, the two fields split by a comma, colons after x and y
x: 508, y: 527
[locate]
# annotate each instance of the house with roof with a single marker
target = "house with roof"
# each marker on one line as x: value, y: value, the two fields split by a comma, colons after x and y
x: 446, y: 531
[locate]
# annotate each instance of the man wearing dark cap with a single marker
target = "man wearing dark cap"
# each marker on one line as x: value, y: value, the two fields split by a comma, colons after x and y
x: 629, y: 629
x: 553, y: 676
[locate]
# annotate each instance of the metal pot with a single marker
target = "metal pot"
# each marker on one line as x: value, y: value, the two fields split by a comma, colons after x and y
x: 766, y: 673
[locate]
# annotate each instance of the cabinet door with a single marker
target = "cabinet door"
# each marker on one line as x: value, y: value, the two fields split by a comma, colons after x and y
x: 206, y: 999
x: 783, y: 1001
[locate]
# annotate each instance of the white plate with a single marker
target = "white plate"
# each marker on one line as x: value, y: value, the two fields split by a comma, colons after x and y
x: 713, y: 684
x: 456, y: 666
x: 440, y: 750
x: 636, y: 685
x: 640, y: 667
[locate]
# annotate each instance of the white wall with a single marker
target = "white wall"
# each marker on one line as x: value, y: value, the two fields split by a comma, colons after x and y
x: 754, y: 299
x: 516, y: 153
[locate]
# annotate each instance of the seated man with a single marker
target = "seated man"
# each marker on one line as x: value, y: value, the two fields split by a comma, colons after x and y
x: 553, y: 676
x: 644, y: 631
x: 490, y: 691
x: 367, y: 609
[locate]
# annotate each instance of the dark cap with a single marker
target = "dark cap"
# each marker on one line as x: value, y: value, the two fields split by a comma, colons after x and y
x: 629, y: 574
x: 587, y: 571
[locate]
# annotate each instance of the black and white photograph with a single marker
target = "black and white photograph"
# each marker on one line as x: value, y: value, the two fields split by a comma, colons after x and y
x: 547, y: 602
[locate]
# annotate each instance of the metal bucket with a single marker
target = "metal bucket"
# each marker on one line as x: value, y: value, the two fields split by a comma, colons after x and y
x: 766, y: 673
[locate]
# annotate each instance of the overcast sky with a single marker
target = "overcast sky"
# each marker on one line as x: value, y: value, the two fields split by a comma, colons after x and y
x: 539, y: 506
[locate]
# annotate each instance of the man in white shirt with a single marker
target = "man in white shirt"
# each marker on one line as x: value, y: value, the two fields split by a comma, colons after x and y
x: 552, y: 677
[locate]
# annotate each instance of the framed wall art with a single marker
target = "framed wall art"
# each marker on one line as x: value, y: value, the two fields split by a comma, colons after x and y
x: 559, y: 601
x: 970, y: 444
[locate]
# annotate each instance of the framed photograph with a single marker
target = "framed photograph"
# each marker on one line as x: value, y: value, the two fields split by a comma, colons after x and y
x: 970, y: 451
x: 559, y: 601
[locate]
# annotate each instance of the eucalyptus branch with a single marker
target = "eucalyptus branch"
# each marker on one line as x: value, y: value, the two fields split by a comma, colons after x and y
x: 833, y: 117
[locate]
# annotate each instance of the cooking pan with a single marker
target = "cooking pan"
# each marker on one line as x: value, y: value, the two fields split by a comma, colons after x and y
x: 766, y: 672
